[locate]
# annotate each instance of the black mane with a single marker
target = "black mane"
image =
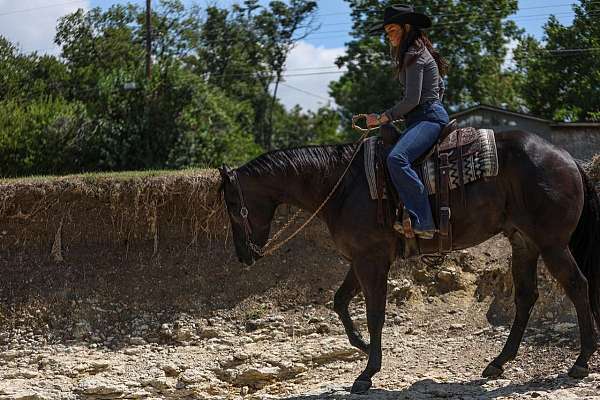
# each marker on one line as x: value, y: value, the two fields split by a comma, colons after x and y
x: 316, y: 159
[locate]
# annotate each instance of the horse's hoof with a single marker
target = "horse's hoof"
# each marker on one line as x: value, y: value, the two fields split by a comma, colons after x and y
x: 361, y: 386
x: 492, y: 371
x: 578, y: 372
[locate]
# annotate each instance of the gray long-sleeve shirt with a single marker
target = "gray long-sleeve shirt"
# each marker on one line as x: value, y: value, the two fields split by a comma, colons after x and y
x: 421, y: 80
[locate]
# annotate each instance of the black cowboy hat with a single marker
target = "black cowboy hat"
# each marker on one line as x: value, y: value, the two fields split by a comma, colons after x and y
x: 401, y: 14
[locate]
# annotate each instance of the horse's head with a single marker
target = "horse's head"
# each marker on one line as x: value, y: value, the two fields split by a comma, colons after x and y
x: 250, y: 211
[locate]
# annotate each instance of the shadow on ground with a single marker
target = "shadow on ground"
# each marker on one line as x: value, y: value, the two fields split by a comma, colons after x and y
x: 429, y: 389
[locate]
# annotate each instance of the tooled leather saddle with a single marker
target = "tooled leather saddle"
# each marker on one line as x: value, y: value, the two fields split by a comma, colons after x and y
x: 446, y: 157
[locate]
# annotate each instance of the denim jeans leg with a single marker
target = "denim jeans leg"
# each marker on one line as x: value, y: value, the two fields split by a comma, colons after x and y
x: 414, y: 143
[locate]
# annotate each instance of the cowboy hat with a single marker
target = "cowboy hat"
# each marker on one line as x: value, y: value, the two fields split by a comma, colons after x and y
x: 401, y: 14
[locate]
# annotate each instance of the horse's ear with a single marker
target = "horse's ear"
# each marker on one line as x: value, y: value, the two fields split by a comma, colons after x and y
x: 225, y: 172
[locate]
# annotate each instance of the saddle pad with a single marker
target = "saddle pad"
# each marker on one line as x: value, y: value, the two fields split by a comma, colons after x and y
x: 483, y: 163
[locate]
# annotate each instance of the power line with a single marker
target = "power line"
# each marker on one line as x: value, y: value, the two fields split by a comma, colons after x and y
x: 516, y: 16
x: 372, y: 10
x: 312, y: 68
x: 552, y: 52
x: 571, y: 50
x: 319, y: 15
x: 284, y: 75
x: 348, y: 33
x: 42, y: 7
x: 440, y: 25
x: 66, y: 3
x: 305, y: 92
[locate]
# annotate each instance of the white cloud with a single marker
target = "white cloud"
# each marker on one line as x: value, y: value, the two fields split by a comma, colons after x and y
x: 32, y: 23
x: 509, y: 63
x: 307, y: 59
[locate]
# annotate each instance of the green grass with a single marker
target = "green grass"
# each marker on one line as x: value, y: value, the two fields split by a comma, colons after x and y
x: 92, y: 177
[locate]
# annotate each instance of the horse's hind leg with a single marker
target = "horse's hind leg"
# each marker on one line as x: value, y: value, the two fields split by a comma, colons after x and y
x: 372, y: 274
x: 563, y: 267
x: 524, y: 273
x: 344, y: 295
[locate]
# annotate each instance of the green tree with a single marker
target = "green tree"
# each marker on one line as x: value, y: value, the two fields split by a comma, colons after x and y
x: 28, y: 76
x: 298, y: 127
x: 214, y: 130
x: 243, y: 51
x: 472, y: 35
x: 209, y: 99
x: 135, y: 119
x: 561, y: 83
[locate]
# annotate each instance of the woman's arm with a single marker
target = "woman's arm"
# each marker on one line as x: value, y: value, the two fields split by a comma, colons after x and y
x: 412, y: 91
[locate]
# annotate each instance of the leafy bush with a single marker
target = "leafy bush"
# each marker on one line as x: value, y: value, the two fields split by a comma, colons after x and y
x: 39, y: 137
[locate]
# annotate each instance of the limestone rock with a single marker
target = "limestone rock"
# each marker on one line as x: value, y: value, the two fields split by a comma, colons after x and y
x: 28, y: 395
x: 333, y: 350
x: 193, y: 375
x: 256, y: 377
x: 9, y: 355
x: 170, y: 369
x: 100, y: 387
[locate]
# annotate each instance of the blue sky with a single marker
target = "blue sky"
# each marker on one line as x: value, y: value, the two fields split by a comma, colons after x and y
x: 31, y: 24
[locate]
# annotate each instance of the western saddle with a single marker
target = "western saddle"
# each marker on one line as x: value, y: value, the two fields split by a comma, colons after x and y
x: 452, y: 146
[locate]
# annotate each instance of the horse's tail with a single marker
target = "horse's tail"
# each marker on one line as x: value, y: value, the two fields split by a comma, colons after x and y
x: 585, y: 242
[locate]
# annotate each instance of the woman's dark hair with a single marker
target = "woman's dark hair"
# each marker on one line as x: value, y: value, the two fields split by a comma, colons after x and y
x: 419, y: 39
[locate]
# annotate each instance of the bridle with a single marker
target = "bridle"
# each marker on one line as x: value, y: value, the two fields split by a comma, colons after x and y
x: 264, y: 251
x: 243, y: 211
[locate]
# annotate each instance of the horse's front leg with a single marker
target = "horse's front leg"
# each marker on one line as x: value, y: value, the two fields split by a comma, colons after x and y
x: 344, y: 295
x: 372, y: 276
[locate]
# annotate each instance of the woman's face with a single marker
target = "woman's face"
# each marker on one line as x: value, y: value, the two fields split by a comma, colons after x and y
x: 396, y: 33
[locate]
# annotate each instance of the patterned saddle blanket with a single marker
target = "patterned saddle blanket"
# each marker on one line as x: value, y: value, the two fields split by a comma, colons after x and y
x: 479, y: 159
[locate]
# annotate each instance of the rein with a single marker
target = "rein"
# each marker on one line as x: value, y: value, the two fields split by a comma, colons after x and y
x: 265, y: 250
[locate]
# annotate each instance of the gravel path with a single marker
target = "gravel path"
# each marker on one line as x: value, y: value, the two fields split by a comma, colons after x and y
x: 433, y: 348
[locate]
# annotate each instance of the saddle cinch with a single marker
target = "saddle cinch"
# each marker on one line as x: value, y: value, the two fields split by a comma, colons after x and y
x: 460, y: 156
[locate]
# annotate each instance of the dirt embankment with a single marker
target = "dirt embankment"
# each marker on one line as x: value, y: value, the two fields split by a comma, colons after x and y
x: 107, y: 250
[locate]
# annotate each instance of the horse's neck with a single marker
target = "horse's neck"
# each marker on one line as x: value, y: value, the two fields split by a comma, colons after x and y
x: 306, y: 190
x: 302, y: 177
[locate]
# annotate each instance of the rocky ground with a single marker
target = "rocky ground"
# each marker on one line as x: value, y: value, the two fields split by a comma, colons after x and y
x: 435, y: 346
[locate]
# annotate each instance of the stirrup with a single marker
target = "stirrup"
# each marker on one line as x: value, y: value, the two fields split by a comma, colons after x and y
x: 427, y: 235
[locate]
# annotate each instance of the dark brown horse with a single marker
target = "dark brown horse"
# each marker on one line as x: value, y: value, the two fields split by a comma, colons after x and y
x: 541, y: 200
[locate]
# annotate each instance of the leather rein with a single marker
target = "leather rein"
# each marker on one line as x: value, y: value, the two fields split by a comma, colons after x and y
x: 265, y: 250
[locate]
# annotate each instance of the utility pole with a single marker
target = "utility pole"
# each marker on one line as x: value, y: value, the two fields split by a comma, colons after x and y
x: 147, y: 131
x: 148, y: 39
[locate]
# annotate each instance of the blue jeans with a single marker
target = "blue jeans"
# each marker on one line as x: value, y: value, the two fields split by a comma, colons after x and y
x: 424, y: 125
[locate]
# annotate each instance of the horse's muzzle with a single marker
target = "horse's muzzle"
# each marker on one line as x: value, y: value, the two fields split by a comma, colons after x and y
x: 249, y: 262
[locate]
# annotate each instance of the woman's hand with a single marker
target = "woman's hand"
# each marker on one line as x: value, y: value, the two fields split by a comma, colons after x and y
x: 374, y: 120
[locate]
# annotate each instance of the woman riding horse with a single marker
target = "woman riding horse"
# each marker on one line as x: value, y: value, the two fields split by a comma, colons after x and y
x: 418, y: 68
x: 541, y: 200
